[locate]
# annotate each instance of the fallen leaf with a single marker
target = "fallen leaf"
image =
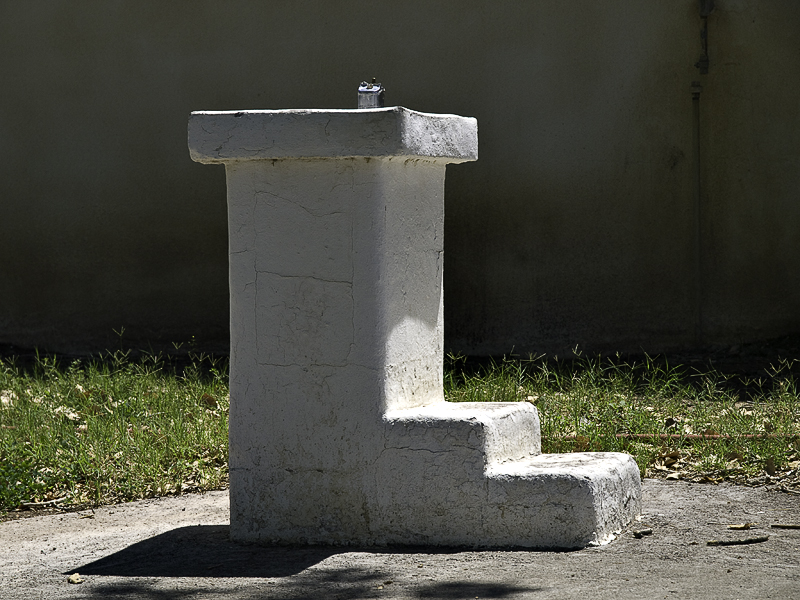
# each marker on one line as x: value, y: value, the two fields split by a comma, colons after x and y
x: 769, y: 467
x: 7, y: 398
x: 741, y: 526
x: 209, y: 400
x: 67, y: 412
x: 581, y: 443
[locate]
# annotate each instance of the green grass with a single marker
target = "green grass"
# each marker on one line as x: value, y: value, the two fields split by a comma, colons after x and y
x: 650, y: 410
x: 111, y: 430
x: 115, y: 429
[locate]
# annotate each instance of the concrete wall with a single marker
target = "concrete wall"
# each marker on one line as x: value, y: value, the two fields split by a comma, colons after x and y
x: 576, y: 226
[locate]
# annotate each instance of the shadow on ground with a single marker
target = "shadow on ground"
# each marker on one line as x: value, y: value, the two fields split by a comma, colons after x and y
x: 206, y: 552
x: 337, y: 589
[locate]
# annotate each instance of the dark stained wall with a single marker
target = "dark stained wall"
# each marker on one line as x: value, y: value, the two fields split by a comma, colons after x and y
x: 575, y: 227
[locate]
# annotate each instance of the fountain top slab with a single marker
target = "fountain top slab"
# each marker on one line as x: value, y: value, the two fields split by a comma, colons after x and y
x: 392, y: 132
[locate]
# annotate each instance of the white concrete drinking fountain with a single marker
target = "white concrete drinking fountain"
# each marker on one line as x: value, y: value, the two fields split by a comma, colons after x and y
x: 339, y: 431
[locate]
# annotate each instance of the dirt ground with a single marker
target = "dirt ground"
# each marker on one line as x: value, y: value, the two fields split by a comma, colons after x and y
x: 178, y: 548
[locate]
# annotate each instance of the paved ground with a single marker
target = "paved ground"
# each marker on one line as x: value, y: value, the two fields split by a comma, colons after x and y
x: 178, y: 548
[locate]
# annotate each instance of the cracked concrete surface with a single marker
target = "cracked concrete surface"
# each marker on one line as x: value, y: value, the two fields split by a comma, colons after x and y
x: 179, y: 548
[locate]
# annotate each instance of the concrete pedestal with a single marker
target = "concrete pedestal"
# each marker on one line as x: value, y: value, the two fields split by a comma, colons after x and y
x: 339, y: 432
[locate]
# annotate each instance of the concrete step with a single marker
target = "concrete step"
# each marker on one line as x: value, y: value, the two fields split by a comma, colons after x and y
x: 482, y: 434
x: 472, y: 474
x: 563, y: 500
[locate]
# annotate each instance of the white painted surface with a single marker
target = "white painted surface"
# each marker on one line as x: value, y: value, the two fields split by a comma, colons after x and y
x: 339, y: 432
x: 221, y: 136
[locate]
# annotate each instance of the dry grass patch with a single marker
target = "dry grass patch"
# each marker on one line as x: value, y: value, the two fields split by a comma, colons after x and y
x: 677, y: 422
